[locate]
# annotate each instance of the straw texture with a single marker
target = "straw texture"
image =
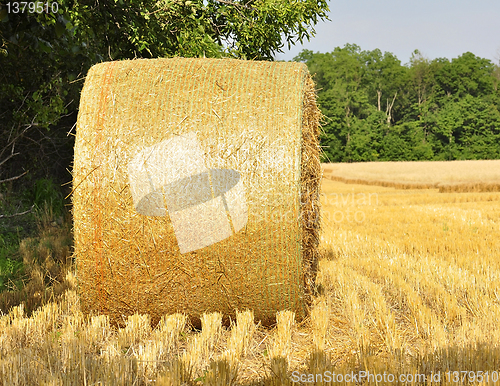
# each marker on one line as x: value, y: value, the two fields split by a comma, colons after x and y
x: 196, y: 188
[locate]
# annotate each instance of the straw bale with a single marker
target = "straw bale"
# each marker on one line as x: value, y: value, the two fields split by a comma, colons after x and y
x: 196, y: 188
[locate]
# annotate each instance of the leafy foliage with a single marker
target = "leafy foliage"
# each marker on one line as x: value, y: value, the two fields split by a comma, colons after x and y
x: 378, y: 109
x: 44, y: 57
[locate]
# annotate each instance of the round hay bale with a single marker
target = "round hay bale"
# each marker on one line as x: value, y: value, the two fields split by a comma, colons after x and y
x: 196, y: 188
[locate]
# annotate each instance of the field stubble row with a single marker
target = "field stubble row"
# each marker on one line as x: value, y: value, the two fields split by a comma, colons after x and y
x: 447, y: 176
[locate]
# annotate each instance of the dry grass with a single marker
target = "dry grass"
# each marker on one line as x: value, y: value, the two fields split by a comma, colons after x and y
x: 46, y: 258
x: 448, y: 176
x: 409, y: 285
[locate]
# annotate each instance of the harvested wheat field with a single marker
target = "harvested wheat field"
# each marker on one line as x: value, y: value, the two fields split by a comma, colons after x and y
x: 409, y: 293
x: 448, y: 176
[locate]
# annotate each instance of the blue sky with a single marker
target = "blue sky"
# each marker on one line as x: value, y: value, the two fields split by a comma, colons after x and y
x: 438, y: 28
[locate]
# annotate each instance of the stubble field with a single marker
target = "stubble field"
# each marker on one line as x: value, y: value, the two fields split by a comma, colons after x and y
x: 409, y: 293
x: 447, y: 176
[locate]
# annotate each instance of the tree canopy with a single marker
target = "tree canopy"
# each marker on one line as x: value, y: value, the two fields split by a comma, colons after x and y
x: 44, y: 57
x: 378, y: 109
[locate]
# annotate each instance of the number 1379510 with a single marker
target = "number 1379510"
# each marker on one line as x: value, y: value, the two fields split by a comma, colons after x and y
x: 31, y: 7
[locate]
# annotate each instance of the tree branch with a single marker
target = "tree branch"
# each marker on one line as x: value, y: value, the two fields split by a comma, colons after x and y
x: 235, y: 4
x: 13, y: 178
x: 9, y: 156
x: 17, y: 214
x: 13, y: 141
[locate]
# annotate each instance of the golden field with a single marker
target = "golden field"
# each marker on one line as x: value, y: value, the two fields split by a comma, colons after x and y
x: 448, y: 176
x: 409, y: 286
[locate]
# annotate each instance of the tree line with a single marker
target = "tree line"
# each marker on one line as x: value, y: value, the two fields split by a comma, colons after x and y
x: 377, y: 109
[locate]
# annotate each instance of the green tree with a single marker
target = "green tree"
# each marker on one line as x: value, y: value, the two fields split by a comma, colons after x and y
x: 421, y: 86
x: 478, y: 136
x: 40, y: 59
x: 383, y: 79
x: 466, y: 75
x: 365, y: 141
x: 44, y: 56
x: 343, y: 101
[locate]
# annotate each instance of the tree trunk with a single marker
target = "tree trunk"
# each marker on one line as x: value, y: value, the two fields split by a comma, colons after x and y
x: 389, y: 109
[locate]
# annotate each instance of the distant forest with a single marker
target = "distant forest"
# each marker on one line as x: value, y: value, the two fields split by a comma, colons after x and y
x: 377, y: 109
